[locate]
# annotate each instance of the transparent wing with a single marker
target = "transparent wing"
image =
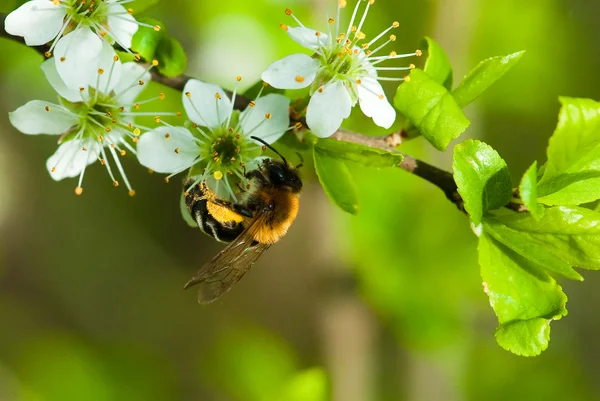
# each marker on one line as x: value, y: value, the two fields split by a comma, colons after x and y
x: 229, y: 266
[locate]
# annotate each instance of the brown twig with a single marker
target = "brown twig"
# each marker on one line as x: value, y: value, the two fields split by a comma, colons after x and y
x: 438, y: 177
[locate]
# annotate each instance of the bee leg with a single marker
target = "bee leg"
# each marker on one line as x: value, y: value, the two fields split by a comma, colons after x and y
x: 257, y: 175
x: 236, y: 207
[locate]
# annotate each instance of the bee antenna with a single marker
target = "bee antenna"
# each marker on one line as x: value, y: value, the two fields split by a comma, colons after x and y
x: 301, y: 160
x: 270, y: 147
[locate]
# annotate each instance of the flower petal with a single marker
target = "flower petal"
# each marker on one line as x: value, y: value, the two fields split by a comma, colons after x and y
x: 33, y: 118
x: 79, y: 51
x: 307, y: 37
x: 38, y: 21
x: 128, y: 88
x: 327, y: 108
x: 49, y: 68
x: 70, y: 158
x: 255, y: 123
x: 374, y: 103
x: 292, y: 72
x: 121, y: 24
x: 167, y: 149
x: 202, y: 105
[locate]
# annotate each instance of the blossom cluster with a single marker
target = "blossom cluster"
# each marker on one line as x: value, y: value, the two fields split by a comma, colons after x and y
x: 97, y: 116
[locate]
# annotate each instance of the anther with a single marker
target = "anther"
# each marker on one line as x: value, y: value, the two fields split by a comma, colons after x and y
x: 150, y: 171
x: 218, y: 175
x: 395, y: 24
x: 132, y: 193
x: 176, y: 150
x: 268, y: 116
x: 157, y: 119
x: 130, y: 11
x: 78, y: 191
x: 62, y: 59
x: 407, y: 79
x: 284, y: 27
x: 81, y: 89
x: 137, y: 131
x: 156, y: 28
x: 161, y: 96
x: 166, y: 180
x: 115, y: 58
x: 167, y: 135
x: 418, y: 53
x: 288, y: 11
x: 299, y: 78
x: 359, y: 35
x: 48, y: 54
x: 47, y: 108
x: 331, y: 20
x: 115, y: 183
x: 100, y: 71
x: 137, y: 57
x: 141, y: 82
x: 238, y: 78
x: 251, y: 104
x: 154, y: 62
x: 217, y: 95
x: 411, y: 66
x: 53, y: 170
x: 263, y: 148
x: 188, y: 94
x: 107, y: 129
x: 123, y: 152
x: 392, y: 38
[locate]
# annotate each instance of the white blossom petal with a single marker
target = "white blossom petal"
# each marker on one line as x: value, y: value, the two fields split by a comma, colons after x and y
x: 79, y: 50
x: 292, y: 72
x: 127, y: 88
x: 202, y: 105
x: 111, y: 74
x: 121, y: 24
x: 33, y: 118
x: 374, y: 103
x: 38, y: 21
x: 70, y: 158
x: 49, y: 68
x: 327, y: 108
x: 167, y: 149
x: 255, y: 123
x: 307, y: 37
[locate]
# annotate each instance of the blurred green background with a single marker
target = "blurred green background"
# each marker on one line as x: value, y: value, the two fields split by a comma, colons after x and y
x: 387, y: 305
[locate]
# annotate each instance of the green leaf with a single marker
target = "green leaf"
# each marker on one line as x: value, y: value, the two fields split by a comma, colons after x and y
x: 185, y: 213
x: 528, y: 192
x: 146, y: 40
x: 141, y: 5
x: 521, y: 295
x: 437, y: 65
x: 572, y: 172
x: 430, y: 108
x: 308, y: 385
x: 482, y: 178
x: 571, y: 233
x: 336, y: 181
x: 172, y: 59
x: 361, y: 154
x: 483, y: 76
x: 539, y: 253
x: 524, y: 337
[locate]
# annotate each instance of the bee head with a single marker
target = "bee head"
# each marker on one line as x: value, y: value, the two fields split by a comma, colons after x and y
x: 280, y: 174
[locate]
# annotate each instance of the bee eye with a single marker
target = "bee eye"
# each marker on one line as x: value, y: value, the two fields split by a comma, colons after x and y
x: 276, y: 174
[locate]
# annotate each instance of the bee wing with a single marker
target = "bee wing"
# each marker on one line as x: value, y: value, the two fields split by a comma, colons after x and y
x: 229, y: 266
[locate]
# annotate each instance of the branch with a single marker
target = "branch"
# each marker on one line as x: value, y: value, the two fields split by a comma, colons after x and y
x: 438, y: 177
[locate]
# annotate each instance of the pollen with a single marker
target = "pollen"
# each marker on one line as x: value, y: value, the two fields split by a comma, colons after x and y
x: 218, y: 175
x: 418, y: 53
x: 78, y: 191
x: 176, y: 150
x: 132, y: 193
x: 299, y: 78
x: 284, y: 27
x: 137, y: 131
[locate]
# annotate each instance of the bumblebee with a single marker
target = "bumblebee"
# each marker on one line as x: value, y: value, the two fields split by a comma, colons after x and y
x: 267, y: 209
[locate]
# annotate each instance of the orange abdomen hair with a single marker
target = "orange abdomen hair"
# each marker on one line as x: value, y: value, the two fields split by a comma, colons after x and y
x: 280, y: 219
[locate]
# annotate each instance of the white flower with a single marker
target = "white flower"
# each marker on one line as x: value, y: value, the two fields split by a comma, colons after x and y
x: 76, y: 29
x: 221, y: 144
x: 341, y: 72
x: 92, y: 121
